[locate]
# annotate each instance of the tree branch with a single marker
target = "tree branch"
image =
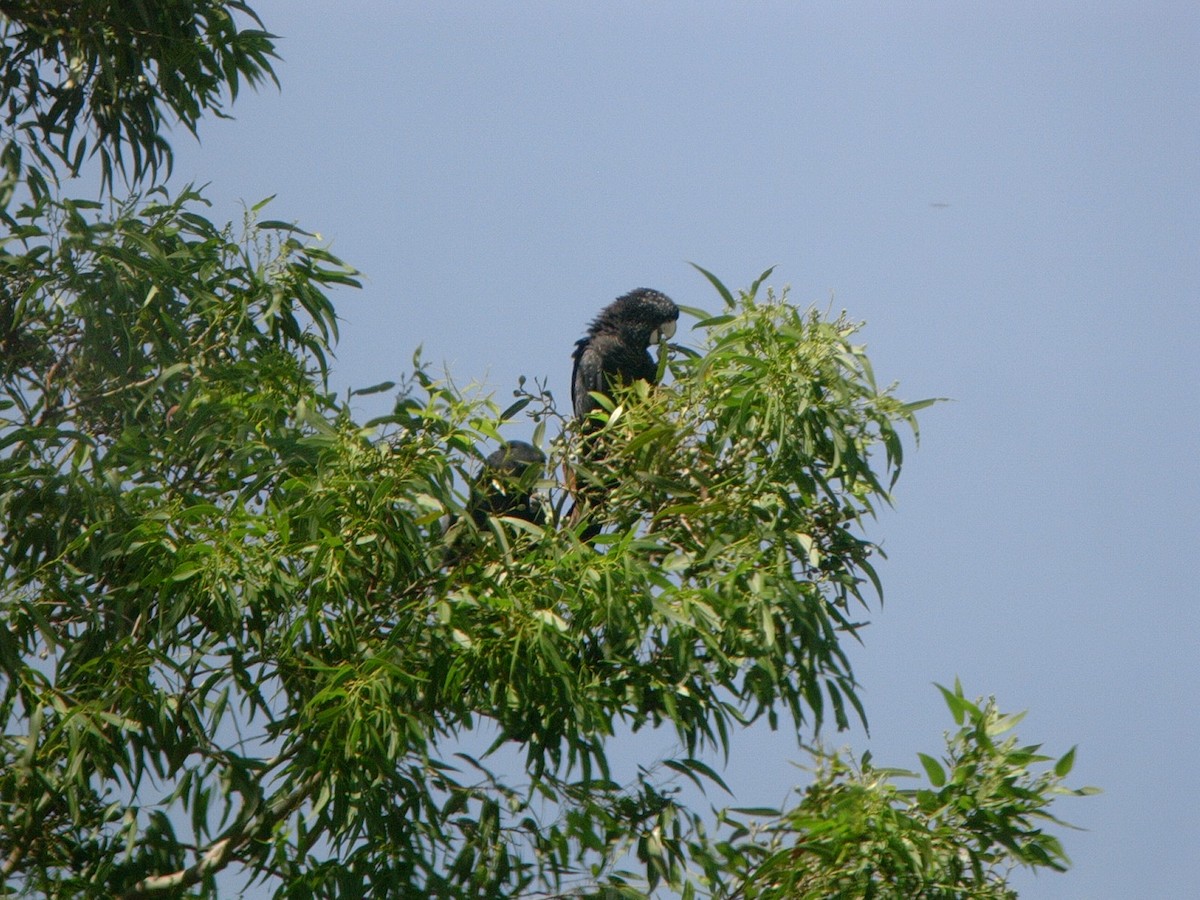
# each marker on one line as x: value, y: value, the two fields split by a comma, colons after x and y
x: 219, y: 855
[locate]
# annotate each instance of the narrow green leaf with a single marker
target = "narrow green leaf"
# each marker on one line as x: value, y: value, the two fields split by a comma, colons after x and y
x: 373, y: 389
x: 185, y: 570
x: 694, y: 311
x: 1065, y: 764
x: 716, y: 283
x: 933, y: 768
x: 514, y: 408
x: 277, y: 225
x: 758, y: 282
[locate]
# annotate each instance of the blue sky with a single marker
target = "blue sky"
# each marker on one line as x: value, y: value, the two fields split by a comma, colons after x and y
x: 500, y: 172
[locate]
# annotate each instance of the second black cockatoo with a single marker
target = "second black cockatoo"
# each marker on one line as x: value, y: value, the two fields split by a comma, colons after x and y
x: 505, y: 485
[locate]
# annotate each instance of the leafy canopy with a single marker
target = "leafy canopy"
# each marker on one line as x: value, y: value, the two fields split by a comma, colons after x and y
x: 240, y: 641
x: 83, y: 78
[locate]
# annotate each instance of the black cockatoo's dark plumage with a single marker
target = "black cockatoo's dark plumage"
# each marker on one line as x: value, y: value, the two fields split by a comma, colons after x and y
x: 616, y: 352
x: 617, y: 347
x: 505, y: 485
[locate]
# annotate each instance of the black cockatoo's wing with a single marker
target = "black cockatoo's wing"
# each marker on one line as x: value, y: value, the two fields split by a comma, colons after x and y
x: 587, y: 375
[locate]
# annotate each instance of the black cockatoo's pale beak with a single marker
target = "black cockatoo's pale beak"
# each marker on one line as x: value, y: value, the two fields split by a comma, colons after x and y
x: 663, y: 333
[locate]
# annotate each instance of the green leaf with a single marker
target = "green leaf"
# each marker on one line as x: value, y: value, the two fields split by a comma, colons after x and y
x: 693, y: 768
x: 712, y: 321
x: 716, y: 283
x: 555, y: 621
x: 694, y: 311
x: 186, y: 571
x: 373, y: 389
x: 514, y: 408
x: 1063, y: 767
x: 933, y: 769
x: 959, y: 706
x: 753, y: 292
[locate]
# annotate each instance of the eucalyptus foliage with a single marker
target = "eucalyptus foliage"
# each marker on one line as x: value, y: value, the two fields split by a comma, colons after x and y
x: 245, y: 636
x: 855, y: 833
x: 83, y: 78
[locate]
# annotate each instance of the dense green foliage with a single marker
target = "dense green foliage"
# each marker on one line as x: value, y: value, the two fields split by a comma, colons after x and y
x: 855, y: 834
x: 237, y: 636
x: 84, y: 77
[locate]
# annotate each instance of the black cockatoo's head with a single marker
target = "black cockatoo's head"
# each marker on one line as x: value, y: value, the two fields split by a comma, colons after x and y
x: 642, y: 316
x: 514, y: 458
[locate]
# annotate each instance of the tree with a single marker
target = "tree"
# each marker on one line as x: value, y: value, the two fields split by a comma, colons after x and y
x: 231, y: 639
x: 855, y: 834
x: 122, y: 72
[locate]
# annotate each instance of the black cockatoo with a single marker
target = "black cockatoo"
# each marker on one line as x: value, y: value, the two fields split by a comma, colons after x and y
x: 616, y: 352
x: 505, y: 485
x: 617, y: 347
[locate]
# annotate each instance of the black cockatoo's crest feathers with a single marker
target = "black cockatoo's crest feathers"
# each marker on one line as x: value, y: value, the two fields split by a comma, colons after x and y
x: 637, y: 314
